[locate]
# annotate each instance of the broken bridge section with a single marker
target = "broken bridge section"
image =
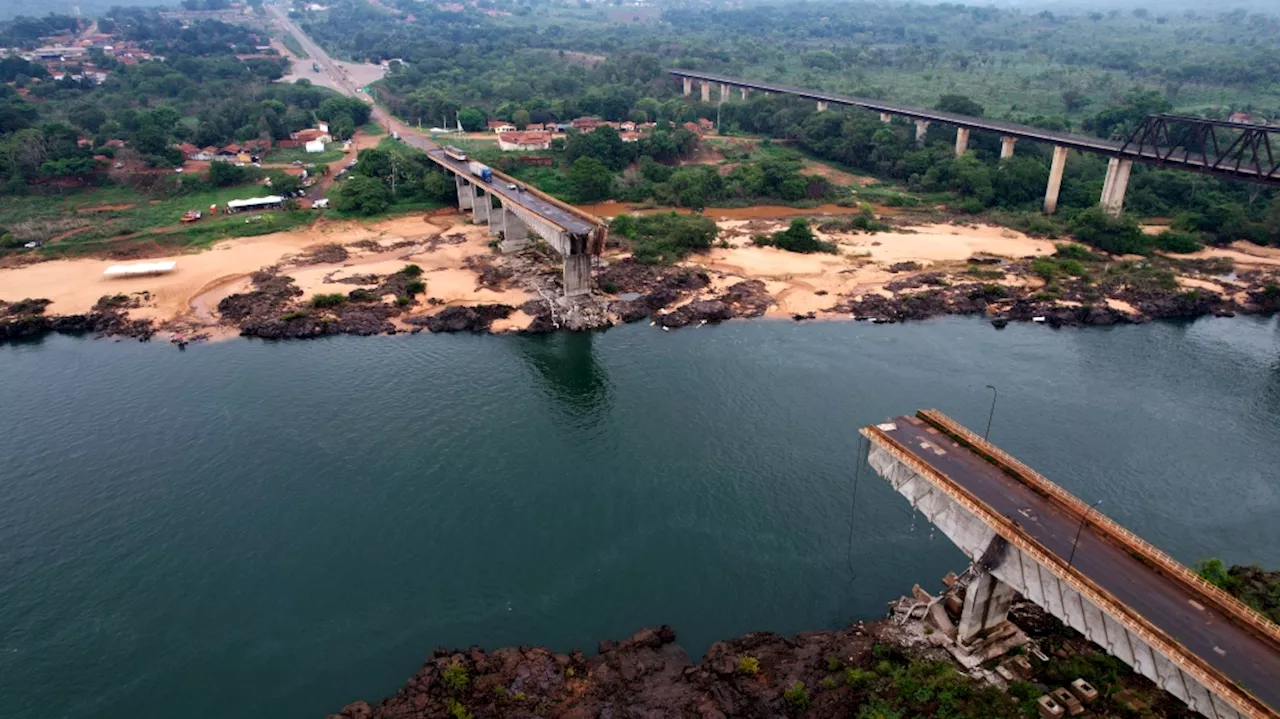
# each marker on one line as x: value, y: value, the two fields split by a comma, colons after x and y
x: 1192, y: 639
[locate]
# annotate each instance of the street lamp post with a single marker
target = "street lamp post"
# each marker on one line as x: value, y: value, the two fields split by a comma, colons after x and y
x: 1080, y: 529
x: 992, y: 413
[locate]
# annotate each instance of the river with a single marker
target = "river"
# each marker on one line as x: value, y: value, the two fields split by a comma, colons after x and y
x: 253, y: 529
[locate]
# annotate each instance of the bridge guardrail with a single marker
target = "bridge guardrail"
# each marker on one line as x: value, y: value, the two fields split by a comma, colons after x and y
x: 1212, y: 679
x: 1151, y: 555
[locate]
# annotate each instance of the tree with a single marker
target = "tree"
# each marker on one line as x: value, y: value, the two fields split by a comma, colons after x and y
x: 226, y: 174
x: 960, y: 105
x: 1117, y: 235
x: 472, y: 120
x: 520, y: 118
x: 362, y: 195
x: 590, y: 179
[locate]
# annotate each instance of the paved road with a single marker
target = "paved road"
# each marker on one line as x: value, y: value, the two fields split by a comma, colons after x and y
x: 1211, y: 635
x: 1078, y: 142
x: 569, y: 221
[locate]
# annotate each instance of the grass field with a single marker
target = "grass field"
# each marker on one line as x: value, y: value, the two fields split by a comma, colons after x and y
x: 332, y: 152
x: 289, y: 41
x: 111, y: 219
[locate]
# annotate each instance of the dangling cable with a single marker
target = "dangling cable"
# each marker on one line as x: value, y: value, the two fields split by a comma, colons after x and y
x: 853, y: 504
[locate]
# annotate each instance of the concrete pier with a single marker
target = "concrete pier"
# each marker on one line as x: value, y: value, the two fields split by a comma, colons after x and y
x: 466, y: 193
x: 1117, y: 182
x: 1006, y: 146
x: 922, y: 126
x: 986, y: 607
x: 962, y: 140
x: 822, y: 106
x: 885, y: 117
x: 515, y: 234
x: 577, y: 275
x: 688, y: 86
x: 744, y: 92
x: 1055, y: 179
x: 706, y: 92
x: 724, y: 92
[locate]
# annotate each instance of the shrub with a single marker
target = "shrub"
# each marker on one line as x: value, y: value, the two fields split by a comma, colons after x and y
x: 1046, y: 268
x: 1072, y: 251
x: 828, y: 683
x: 411, y: 271
x: 1117, y: 235
x: 299, y: 315
x: 1178, y: 241
x: 455, y: 677
x: 796, y: 697
x: 667, y: 238
x: 797, y: 238
x: 415, y: 287
x: 833, y: 664
x: 984, y: 273
x: 749, y: 665
x: 1214, y: 571
x: 856, y: 678
x: 330, y: 300
x: 456, y: 709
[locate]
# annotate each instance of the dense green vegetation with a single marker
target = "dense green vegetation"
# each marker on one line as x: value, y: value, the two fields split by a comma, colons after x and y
x: 666, y: 237
x: 1254, y: 586
x: 796, y: 238
x: 392, y: 178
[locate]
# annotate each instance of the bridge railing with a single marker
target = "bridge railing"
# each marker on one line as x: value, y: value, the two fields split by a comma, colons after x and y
x: 1142, y: 549
x: 1212, y: 679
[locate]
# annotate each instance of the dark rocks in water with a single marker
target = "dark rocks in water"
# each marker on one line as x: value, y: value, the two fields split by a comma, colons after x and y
x: 26, y: 319
x: 1000, y: 322
x: 697, y: 312
x: 929, y: 279
x: 325, y: 255
x: 748, y: 298
x: 904, y: 267
x: 464, y: 319
x: 271, y: 292
x: 627, y: 275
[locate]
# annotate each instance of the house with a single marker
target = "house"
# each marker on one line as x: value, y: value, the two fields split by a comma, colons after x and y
x: 323, y: 127
x: 535, y: 127
x: 586, y: 124
x: 706, y: 125
x: 627, y: 126
x: 520, y: 141
x: 191, y: 152
x: 230, y: 153
x: 314, y: 146
x: 630, y: 136
x: 500, y: 126
x: 310, y: 134
x: 1241, y: 117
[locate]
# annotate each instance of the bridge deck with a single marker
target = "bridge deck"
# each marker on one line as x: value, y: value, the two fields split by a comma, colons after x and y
x: 1213, y: 636
x: 1011, y: 129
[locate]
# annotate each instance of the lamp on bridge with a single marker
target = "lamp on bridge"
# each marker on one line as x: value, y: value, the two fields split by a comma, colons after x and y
x: 1080, y: 529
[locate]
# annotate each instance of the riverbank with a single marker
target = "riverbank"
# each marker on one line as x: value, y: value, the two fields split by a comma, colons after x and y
x: 268, y: 286
x: 890, y: 667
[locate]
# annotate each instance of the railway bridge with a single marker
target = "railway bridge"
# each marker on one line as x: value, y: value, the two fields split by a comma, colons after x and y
x: 1026, y: 534
x: 1224, y: 149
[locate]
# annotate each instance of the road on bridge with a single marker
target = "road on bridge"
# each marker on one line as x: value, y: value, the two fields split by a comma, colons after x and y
x: 556, y: 214
x: 1215, y: 638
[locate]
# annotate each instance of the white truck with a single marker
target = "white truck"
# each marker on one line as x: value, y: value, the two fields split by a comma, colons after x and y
x: 481, y: 171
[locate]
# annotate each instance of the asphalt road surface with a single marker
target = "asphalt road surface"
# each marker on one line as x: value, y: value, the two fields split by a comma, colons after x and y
x: 556, y: 214
x: 1243, y: 657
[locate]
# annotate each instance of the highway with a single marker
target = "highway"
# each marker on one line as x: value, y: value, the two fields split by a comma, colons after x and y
x: 1084, y: 143
x: 1239, y: 653
x: 572, y: 223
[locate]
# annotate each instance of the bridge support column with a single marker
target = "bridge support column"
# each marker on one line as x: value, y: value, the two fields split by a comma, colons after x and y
x: 577, y: 275
x: 1116, y: 184
x: 706, y: 91
x: 466, y: 193
x: 885, y: 117
x: 986, y: 607
x: 515, y: 234
x: 744, y: 92
x: 962, y: 140
x: 497, y: 218
x: 688, y: 86
x: 724, y: 92
x: 822, y: 106
x: 1006, y: 146
x: 1055, y: 180
x: 922, y: 126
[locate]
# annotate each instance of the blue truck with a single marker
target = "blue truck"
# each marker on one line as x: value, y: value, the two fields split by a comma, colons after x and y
x: 481, y: 171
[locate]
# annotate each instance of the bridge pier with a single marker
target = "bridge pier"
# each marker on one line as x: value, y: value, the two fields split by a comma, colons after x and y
x: 744, y: 92
x: 922, y: 126
x: 1055, y: 179
x: 822, y: 106
x: 962, y: 140
x: 1006, y: 146
x: 688, y: 86
x: 706, y: 91
x: 1117, y: 182
x: 466, y: 193
x: 986, y: 607
x: 724, y: 92
x: 886, y: 117
x: 515, y: 234
x: 577, y: 274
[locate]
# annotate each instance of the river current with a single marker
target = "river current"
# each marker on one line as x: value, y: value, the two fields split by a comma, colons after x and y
x: 257, y: 529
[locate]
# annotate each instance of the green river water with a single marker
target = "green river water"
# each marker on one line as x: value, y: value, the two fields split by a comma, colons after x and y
x: 275, y: 530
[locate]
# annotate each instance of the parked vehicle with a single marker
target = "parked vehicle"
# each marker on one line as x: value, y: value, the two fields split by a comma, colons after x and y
x: 454, y: 153
x: 191, y: 216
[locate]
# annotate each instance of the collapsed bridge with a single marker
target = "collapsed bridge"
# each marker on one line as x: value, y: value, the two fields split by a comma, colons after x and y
x: 1030, y: 536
